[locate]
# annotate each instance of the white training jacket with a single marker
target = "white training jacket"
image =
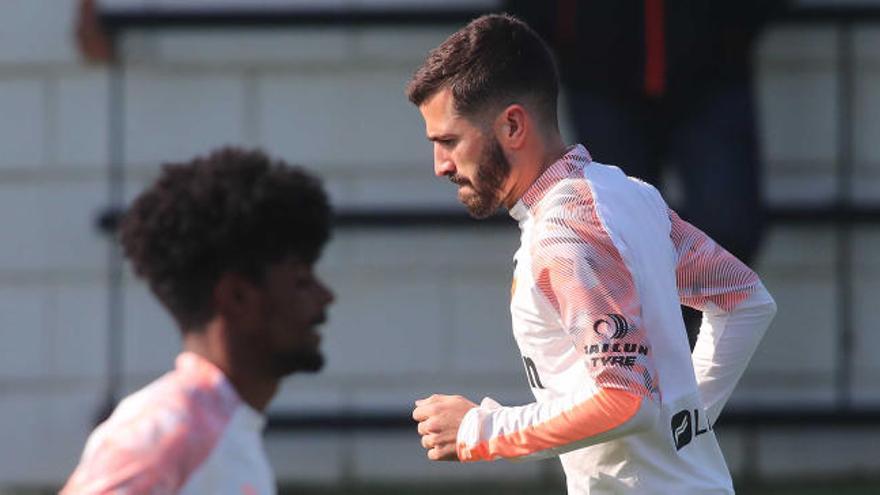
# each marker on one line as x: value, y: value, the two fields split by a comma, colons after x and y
x: 601, y: 270
x: 186, y: 433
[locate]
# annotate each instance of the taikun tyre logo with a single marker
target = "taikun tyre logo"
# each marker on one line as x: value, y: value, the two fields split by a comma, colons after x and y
x: 615, y: 327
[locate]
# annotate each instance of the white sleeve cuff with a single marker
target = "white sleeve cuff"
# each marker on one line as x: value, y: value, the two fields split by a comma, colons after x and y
x: 469, y: 431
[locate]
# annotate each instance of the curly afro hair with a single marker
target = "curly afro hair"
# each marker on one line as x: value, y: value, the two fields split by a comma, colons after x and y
x: 233, y: 211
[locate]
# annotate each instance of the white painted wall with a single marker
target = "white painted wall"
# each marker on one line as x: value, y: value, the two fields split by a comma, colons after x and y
x: 418, y: 311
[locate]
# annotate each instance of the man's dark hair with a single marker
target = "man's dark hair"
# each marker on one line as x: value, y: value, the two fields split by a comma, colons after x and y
x: 232, y: 211
x: 494, y: 61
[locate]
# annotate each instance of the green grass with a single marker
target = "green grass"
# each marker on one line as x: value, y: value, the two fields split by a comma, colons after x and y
x: 859, y: 487
x: 426, y: 489
x: 841, y: 487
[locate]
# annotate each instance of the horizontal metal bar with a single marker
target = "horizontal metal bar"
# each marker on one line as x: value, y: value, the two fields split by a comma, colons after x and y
x: 788, y: 215
x: 799, y: 416
x: 824, y: 214
x: 829, y: 14
x: 416, y: 218
x: 108, y: 220
x: 120, y: 20
x: 116, y: 20
x: 335, y: 422
x: 340, y: 422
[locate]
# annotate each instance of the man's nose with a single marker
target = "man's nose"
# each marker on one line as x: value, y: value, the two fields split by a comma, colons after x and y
x: 444, y: 168
x: 443, y: 164
x: 327, y: 294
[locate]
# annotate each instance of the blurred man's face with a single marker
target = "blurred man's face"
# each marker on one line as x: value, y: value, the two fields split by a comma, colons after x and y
x: 294, y: 304
x: 465, y: 154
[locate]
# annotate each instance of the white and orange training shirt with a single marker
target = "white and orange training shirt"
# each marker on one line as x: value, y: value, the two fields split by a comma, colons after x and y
x: 186, y: 433
x: 601, y: 270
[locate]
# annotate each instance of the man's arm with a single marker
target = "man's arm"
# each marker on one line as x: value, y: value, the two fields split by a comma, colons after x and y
x: 545, y: 429
x: 145, y: 454
x: 737, y: 310
x: 109, y: 465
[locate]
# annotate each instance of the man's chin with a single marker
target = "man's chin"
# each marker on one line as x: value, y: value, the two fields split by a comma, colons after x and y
x: 301, y: 362
x: 477, y: 207
x: 479, y: 212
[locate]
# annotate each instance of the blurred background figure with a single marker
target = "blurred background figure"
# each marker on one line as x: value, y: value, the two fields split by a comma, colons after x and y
x: 663, y: 83
x: 227, y: 243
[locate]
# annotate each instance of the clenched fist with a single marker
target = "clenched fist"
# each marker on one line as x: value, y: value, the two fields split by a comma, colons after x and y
x: 439, y: 417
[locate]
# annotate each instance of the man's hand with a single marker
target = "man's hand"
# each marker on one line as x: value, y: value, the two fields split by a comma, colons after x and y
x: 439, y: 417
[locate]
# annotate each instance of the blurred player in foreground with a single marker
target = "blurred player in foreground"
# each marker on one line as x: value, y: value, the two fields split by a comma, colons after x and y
x: 227, y: 243
x: 602, y: 266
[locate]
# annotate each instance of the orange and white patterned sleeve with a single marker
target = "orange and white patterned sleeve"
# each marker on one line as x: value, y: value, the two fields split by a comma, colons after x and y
x: 577, y: 269
x: 737, y: 310
x: 120, y: 463
x: 707, y: 275
x: 154, y: 451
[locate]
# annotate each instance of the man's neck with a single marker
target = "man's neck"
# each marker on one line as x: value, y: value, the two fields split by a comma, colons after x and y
x: 253, y: 386
x: 532, y: 165
x: 256, y: 392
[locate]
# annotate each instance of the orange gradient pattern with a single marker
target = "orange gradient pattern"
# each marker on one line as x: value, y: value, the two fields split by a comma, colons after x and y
x: 603, y: 412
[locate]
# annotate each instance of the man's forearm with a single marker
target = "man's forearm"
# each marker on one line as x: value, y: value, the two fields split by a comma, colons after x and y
x: 545, y: 429
x: 725, y: 345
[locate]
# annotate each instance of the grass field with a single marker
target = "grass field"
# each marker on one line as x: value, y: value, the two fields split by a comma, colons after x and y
x: 858, y: 487
x: 851, y: 487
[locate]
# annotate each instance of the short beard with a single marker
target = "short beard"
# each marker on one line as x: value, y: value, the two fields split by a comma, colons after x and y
x: 493, y: 169
x: 301, y: 361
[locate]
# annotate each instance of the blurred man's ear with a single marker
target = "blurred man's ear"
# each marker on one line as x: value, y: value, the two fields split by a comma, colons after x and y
x: 95, y: 43
x: 238, y: 300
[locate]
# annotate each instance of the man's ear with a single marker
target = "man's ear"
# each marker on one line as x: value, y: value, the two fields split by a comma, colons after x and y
x: 237, y: 299
x: 511, y: 126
